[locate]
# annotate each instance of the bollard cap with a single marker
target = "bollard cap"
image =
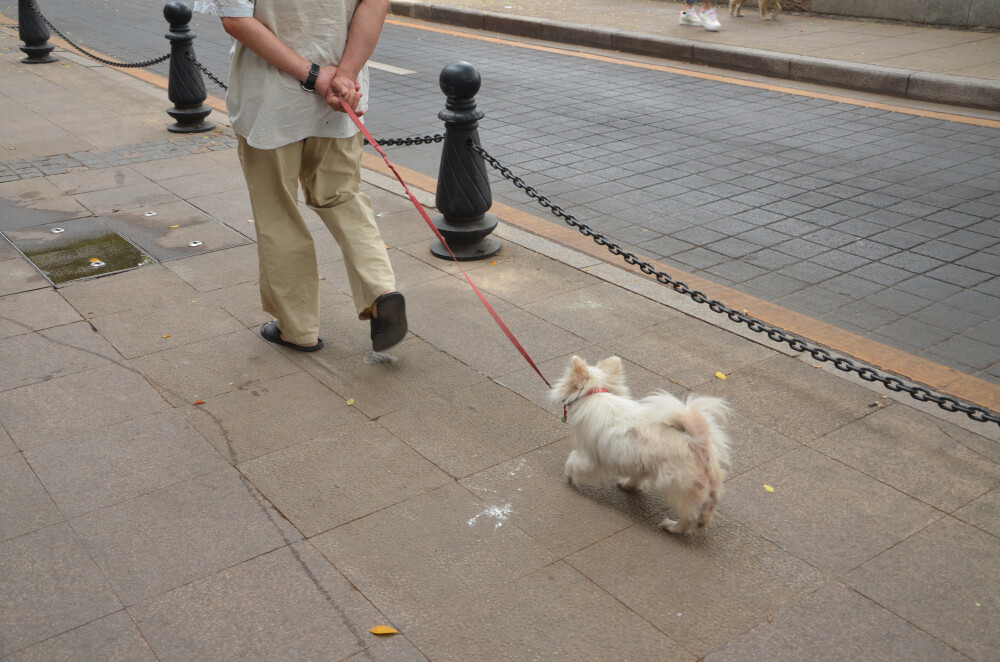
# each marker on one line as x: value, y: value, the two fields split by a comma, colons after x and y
x: 177, y: 13
x: 460, y: 80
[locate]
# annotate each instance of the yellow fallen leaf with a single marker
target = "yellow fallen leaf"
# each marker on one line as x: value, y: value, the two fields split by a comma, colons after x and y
x: 493, y: 262
x: 166, y: 335
x: 719, y: 375
x: 94, y: 259
x: 768, y: 488
x: 384, y: 629
x: 350, y: 401
x: 174, y: 226
x: 199, y: 402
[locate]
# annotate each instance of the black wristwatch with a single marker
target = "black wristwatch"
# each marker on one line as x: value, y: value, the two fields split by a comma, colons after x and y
x: 310, y: 84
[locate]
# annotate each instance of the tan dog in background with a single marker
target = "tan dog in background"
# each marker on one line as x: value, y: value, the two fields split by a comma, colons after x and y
x: 736, y: 8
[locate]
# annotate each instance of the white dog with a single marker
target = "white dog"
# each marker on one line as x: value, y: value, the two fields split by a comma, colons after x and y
x: 677, y: 448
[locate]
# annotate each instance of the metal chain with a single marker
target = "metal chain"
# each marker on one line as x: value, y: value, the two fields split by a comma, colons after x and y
x: 820, y: 354
x: 205, y: 71
x: 112, y: 63
x: 406, y: 142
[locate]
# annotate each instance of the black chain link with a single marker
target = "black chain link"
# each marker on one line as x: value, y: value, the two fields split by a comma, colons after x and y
x: 112, y: 63
x: 406, y: 142
x: 205, y: 71
x: 820, y: 354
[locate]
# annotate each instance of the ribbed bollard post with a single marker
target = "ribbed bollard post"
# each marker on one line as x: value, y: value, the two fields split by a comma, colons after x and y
x: 32, y: 31
x: 185, y: 88
x: 463, y: 189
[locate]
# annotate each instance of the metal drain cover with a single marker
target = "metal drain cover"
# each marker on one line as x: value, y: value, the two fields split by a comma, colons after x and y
x: 87, y: 247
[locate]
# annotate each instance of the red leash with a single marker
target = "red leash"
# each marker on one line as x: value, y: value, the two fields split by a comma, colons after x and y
x: 437, y: 233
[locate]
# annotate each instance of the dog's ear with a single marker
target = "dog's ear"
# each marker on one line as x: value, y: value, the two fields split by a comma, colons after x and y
x: 579, y: 368
x: 611, y: 366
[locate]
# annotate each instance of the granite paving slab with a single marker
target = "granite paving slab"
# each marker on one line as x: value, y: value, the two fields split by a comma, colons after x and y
x: 19, y: 275
x: 28, y: 202
x: 87, y: 181
x: 456, y: 545
x: 834, y: 624
x: 599, y: 312
x: 24, y: 504
x: 174, y: 230
x: 48, y: 585
x: 797, y: 400
x: 944, y: 581
x: 832, y: 516
x: 69, y: 406
x: 6, y: 443
x: 99, y: 468
x: 146, y: 329
x: 33, y: 311
x: 553, y: 614
x: 700, y: 590
x: 471, y: 335
x: 199, y: 370
x: 915, y: 453
x: 466, y: 430
x: 324, y: 483
x: 113, y: 638
x: 155, y: 286
x: 270, y: 415
x: 159, y: 541
x: 125, y: 197
x: 56, y: 352
x: 687, y: 352
x: 400, y: 378
x: 984, y: 512
x: 288, y: 604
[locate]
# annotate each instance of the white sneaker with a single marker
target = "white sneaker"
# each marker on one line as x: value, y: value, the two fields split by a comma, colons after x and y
x: 710, y: 20
x: 690, y: 18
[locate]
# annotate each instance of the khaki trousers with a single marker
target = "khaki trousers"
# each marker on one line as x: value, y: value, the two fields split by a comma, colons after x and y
x: 330, y: 172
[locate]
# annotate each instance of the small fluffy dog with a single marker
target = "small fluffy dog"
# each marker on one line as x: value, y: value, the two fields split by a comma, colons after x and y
x: 736, y: 8
x: 677, y: 448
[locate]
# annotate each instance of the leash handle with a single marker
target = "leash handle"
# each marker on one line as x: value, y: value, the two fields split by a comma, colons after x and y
x: 437, y: 233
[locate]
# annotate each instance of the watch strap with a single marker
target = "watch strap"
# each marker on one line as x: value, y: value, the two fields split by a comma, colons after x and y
x: 310, y: 84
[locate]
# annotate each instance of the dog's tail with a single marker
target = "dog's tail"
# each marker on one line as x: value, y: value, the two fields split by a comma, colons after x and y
x: 703, y: 419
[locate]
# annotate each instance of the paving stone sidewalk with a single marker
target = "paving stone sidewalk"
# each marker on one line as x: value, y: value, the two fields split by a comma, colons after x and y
x: 173, y: 487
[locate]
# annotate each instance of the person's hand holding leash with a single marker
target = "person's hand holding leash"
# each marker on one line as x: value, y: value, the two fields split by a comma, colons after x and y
x: 344, y: 90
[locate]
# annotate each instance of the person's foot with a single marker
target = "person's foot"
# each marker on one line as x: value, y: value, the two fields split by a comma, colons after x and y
x: 271, y: 333
x: 690, y: 17
x: 710, y: 20
x: 388, y: 321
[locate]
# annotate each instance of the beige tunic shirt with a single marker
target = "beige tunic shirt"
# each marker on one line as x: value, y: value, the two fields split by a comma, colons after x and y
x: 267, y: 106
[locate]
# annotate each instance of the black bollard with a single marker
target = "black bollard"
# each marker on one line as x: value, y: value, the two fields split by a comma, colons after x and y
x: 32, y: 31
x: 185, y: 88
x: 463, y: 190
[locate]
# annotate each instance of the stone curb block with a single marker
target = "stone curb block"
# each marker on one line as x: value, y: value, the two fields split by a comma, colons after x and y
x: 904, y: 83
x: 644, y: 44
x: 972, y: 92
x: 739, y: 58
x: 865, y: 77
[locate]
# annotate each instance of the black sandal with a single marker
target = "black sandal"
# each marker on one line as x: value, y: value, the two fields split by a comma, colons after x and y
x: 271, y: 333
x: 389, y: 321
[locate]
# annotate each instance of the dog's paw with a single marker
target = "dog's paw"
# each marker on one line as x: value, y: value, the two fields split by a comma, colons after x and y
x: 626, y: 485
